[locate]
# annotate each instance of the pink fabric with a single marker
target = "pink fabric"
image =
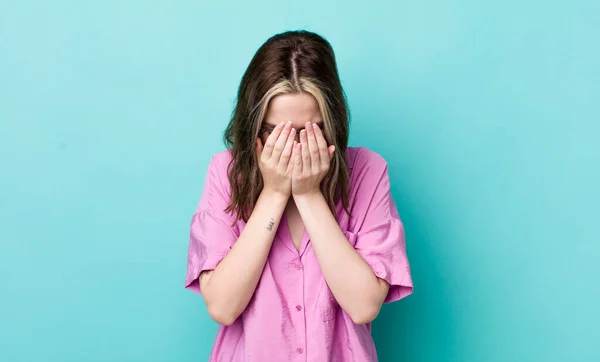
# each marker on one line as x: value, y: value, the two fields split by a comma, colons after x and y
x: 293, y: 315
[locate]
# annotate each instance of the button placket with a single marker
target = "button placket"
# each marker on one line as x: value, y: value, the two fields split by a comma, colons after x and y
x: 300, y: 316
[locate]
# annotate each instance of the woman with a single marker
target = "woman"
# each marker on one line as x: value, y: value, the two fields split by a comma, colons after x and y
x: 296, y: 242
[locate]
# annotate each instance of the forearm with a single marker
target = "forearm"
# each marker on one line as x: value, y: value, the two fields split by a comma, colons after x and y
x: 228, y: 289
x: 354, y: 285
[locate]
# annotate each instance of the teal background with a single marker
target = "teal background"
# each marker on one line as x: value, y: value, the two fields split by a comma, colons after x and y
x: 487, y: 113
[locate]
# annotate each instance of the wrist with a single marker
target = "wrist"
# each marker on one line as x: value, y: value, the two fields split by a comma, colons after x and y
x: 274, y: 196
x: 308, y: 197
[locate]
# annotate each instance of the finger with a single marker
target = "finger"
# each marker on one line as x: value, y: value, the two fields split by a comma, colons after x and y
x: 331, y: 150
x: 313, y: 148
x: 297, y: 160
x: 268, y: 148
x: 305, y: 153
x: 322, y: 144
x: 281, y: 141
x: 284, y: 160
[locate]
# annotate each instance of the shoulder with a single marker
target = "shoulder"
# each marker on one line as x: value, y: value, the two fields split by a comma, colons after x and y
x: 221, y: 159
x: 369, y: 183
x: 218, y: 168
x: 362, y: 159
x: 368, y: 172
x: 217, y: 189
x: 219, y: 162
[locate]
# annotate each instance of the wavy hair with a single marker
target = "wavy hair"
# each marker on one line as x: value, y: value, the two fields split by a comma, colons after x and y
x: 287, y: 63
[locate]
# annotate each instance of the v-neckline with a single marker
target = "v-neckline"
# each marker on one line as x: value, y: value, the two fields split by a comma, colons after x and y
x: 286, y: 236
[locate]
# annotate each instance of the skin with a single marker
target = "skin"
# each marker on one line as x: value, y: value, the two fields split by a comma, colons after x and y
x: 293, y: 160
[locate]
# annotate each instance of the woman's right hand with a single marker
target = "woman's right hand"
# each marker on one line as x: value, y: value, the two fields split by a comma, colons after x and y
x: 274, y: 159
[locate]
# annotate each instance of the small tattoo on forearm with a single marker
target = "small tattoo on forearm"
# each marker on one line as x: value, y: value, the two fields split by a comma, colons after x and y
x: 271, y: 224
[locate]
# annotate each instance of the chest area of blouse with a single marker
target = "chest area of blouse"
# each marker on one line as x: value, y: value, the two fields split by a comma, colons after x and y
x: 293, y: 227
x: 292, y: 239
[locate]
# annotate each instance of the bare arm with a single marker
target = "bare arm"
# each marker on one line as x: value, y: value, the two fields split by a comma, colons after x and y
x: 228, y: 288
x: 353, y: 284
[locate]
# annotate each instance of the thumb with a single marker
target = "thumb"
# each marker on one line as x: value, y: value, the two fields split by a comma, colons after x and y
x: 259, y: 147
x: 331, y: 150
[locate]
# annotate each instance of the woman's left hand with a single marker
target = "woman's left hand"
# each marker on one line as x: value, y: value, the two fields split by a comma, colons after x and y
x: 311, y: 157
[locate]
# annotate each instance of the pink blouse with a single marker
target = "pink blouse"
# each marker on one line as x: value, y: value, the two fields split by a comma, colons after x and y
x: 293, y: 315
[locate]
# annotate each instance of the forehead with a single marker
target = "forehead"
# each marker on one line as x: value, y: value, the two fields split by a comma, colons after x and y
x: 298, y: 108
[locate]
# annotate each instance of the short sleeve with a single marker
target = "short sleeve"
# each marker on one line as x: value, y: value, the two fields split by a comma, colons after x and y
x: 379, y: 236
x: 211, y: 232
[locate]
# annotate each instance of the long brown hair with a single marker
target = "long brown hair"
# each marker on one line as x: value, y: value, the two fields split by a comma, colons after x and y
x: 289, y: 62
